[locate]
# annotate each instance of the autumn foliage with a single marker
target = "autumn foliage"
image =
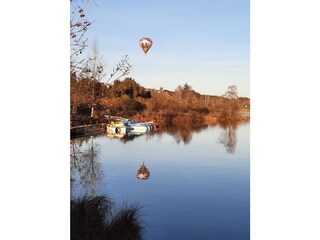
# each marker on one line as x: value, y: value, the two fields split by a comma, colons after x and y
x: 129, y: 99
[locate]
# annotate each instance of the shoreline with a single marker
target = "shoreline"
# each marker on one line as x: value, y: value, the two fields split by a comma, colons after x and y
x: 98, y: 127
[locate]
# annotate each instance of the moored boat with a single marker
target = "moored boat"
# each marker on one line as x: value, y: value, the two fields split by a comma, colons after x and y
x: 138, y: 127
x: 117, y: 127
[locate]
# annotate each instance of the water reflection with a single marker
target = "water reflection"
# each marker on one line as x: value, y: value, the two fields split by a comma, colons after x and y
x: 95, y: 216
x: 84, y: 163
x: 86, y: 168
x: 130, y: 136
x: 143, y: 172
x: 229, y: 137
x: 221, y: 195
x: 183, y: 133
x: 116, y: 135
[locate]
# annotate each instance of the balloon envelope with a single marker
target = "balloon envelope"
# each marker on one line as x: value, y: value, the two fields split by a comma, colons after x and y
x: 145, y: 44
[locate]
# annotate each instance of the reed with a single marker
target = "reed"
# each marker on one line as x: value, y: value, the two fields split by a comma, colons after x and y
x: 126, y: 224
x: 95, y: 217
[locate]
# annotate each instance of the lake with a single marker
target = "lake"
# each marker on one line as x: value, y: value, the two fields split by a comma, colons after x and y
x: 198, y: 185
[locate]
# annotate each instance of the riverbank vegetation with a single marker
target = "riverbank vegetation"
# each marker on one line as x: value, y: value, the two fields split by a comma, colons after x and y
x: 127, y: 98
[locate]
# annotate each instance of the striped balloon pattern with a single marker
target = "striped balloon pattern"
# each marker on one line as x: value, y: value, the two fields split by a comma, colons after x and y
x: 145, y: 44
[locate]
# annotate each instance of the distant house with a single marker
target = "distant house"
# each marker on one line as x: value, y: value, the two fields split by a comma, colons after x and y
x: 161, y: 90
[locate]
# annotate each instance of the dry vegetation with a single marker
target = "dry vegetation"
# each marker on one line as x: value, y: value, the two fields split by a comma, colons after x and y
x: 127, y: 98
x: 95, y: 217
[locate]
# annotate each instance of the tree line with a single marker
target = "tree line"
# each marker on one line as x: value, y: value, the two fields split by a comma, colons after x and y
x: 127, y: 98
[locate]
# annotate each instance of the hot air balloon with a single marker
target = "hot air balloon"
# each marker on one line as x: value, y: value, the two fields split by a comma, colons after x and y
x: 145, y: 44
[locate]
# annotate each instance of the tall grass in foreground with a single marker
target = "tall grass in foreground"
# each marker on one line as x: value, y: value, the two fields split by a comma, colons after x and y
x: 95, y: 218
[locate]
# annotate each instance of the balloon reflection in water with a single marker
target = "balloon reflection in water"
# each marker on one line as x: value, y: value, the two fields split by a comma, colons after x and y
x: 143, y: 172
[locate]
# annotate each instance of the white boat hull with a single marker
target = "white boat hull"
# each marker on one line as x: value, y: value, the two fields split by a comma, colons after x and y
x: 116, y: 129
x: 137, y: 128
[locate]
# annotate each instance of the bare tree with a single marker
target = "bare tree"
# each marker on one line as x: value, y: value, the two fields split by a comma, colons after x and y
x: 122, y: 69
x: 232, y: 92
x: 230, y: 105
x: 79, y: 25
x: 91, y: 68
x: 94, y: 67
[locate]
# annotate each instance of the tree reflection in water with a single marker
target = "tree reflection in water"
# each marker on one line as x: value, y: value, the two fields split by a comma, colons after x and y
x: 95, y: 216
x: 181, y: 133
x: 229, y: 137
x: 86, y: 163
x: 184, y: 132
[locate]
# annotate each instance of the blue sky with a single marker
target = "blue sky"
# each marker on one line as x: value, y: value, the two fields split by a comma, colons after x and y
x: 205, y: 43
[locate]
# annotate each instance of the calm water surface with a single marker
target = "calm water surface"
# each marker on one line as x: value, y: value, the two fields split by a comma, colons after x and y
x: 198, y: 186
